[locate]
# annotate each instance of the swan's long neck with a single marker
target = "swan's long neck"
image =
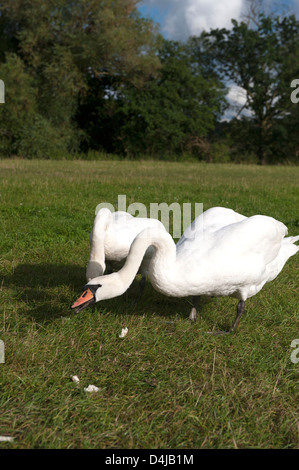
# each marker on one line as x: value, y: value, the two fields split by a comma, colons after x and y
x: 97, y: 238
x: 162, y: 264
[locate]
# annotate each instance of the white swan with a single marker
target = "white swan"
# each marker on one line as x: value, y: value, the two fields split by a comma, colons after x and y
x: 111, y: 239
x: 212, y: 258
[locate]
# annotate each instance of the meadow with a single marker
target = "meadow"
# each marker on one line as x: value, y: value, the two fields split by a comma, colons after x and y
x: 167, y: 384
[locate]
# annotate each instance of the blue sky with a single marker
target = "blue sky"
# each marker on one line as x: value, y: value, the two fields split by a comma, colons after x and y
x: 179, y: 19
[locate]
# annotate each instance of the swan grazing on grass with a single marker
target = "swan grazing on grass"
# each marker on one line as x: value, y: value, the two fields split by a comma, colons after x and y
x: 212, y: 258
x: 111, y: 239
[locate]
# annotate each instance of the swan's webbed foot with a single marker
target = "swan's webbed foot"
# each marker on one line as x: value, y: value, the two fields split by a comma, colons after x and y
x: 193, y: 313
x: 240, y: 311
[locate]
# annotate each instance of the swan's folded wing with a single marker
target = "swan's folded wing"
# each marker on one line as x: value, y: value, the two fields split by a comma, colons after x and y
x: 248, y: 247
x: 208, y: 223
x: 237, y: 253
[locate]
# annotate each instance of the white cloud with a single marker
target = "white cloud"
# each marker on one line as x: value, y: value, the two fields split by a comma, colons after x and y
x: 237, y: 95
x: 236, y: 98
x: 182, y: 18
x: 206, y: 14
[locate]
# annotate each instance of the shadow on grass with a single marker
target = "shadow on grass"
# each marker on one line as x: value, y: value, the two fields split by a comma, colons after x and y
x: 153, y: 303
x: 48, y: 290
x: 46, y: 275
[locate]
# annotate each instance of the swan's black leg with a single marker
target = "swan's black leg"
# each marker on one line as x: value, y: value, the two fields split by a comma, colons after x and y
x: 240, y: 311
x: 193, y: 313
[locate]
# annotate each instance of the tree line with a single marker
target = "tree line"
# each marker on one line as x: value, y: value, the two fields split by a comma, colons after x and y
x: 93, y: 77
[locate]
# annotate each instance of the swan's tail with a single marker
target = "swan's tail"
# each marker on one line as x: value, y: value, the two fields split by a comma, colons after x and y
x: 287, y: 250
x: 289, y: 243
x: 293, y: 239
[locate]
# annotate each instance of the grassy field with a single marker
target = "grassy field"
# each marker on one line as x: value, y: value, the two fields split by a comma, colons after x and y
x: 167, y: 384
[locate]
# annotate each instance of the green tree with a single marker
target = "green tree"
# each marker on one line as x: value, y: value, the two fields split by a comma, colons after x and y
x: 23, y: 130
x: 19, y: 109
x: 68, y: 46
x: 174, y: 113
x: 262, y: 60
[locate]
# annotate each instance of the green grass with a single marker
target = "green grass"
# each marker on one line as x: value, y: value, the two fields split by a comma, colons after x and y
x: 167, y: 384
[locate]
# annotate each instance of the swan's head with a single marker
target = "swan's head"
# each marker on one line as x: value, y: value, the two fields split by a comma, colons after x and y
x: 100, y: 288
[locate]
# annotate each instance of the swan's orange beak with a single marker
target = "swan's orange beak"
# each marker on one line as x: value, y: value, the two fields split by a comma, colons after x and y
x: 86, y: 299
